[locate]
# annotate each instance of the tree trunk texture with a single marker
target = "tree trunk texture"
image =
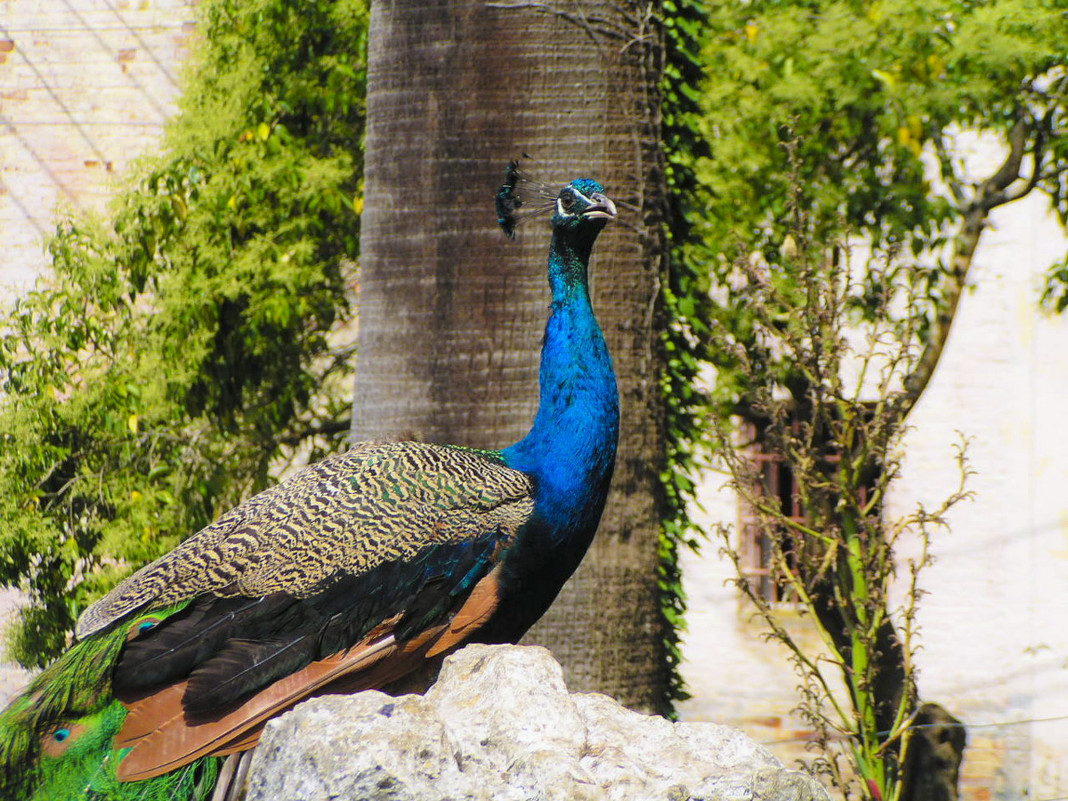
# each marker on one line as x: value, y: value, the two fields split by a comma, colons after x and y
x: 451, y: 313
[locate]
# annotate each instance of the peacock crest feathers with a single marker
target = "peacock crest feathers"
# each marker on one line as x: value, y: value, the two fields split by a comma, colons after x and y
x: 521, y: 197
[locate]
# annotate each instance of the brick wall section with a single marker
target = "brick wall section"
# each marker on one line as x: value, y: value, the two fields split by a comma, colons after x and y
x: 85, y: 87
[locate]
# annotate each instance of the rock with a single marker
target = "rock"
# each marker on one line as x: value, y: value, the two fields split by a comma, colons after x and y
x: 500, y: 725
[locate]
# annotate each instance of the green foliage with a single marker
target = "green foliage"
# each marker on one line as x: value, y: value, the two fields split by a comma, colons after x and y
x: 829, y: 124
x: 1055, y: 294
x: 875, y: 97
x: 179, y: 350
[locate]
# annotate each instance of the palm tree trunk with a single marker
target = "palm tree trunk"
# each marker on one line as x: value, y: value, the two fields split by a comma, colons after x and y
x: 451, y: 312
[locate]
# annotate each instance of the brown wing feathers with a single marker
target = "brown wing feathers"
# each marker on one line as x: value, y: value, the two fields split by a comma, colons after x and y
x: 162, y: 736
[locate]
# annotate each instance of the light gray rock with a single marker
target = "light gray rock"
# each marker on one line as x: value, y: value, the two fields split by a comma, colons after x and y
x: 500, y: 725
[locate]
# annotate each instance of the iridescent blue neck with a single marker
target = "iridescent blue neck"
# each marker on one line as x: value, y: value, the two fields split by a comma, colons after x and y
x: 571, y: 447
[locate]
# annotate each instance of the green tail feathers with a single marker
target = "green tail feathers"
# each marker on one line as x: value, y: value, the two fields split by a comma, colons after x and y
x: 56, y: 736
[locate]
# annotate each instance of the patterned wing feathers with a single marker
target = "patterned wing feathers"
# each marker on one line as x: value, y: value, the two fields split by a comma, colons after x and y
x: 348, y: 513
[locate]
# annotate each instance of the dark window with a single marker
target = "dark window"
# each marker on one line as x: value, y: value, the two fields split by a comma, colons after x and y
x: 776, y: 482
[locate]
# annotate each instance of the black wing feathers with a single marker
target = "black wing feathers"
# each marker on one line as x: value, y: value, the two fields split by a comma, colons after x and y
x: 244, y: 666
x: 186, y: 639
x: 230, y: 647
x: 443, y: 592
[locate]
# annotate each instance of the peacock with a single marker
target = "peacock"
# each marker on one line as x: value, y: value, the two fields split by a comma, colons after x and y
x: 357, y: 571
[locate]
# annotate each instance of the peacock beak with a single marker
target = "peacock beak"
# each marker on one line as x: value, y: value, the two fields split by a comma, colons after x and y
x: 602, y: 207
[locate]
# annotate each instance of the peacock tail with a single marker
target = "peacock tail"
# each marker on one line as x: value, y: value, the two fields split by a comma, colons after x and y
x: 56, y: 736
x: 357, y: 572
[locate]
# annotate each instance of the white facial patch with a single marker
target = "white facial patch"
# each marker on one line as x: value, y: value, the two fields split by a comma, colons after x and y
x: 577, y: 197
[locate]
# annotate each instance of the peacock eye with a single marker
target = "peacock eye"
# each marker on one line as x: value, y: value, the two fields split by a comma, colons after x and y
x: 144, y: 626
x: 56, y: 743
x: 567, y: 201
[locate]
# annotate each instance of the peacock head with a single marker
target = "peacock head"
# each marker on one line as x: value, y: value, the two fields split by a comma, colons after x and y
x: 583, y: 206
x: 580, y: 208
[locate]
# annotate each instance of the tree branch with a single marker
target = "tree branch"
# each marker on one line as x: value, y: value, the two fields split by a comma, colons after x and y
x: 327, y: 428
x: 945, y: 163
x: 1009, y: 171
x: 991, y: 193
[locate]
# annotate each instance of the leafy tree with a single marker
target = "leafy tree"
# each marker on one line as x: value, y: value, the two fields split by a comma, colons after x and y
x: 882, y: 99
x: 831, y: 123
x: 180, y: 353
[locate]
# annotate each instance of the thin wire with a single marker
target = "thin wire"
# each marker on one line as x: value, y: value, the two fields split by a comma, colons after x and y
x: 962, y: 725
x: 965, y: 726
x: 1020, y: 722
x: 163, y: 26
x: 83, y: 126
x: 25, y: 211
x: 148, y: 50
x: 45, y: 167
x: 58, y: 101
x: 132, y: 78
